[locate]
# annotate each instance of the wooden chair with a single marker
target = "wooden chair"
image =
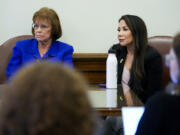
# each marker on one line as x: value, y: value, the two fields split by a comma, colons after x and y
x: 163, y: 45
x: 6, y: 52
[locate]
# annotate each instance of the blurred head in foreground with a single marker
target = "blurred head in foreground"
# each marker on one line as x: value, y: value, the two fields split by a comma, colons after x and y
x: 46, y: 99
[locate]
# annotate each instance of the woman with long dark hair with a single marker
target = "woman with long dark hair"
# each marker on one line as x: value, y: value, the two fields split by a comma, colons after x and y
x: 139, y: 65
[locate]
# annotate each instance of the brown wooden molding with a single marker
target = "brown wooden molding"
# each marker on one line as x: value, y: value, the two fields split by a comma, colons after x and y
x: 92, y: 66
x: 109, y: 111
x: 90, y: 55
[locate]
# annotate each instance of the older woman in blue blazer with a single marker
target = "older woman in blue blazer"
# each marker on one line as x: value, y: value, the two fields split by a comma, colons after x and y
x: 46, y: 29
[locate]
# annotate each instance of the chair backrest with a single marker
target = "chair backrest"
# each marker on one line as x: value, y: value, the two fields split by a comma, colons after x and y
x: 6, y: 52
x: 163, y: 45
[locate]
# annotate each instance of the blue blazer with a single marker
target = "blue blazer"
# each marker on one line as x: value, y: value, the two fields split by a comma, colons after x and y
x: 26, y: 51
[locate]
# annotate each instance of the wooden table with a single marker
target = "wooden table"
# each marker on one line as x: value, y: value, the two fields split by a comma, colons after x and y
x: 98, y: 98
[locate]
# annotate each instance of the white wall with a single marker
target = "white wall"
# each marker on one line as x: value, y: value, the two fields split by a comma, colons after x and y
x: 90, y: 25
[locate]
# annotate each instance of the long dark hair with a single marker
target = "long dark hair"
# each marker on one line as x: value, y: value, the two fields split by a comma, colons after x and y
x: 139, y: 32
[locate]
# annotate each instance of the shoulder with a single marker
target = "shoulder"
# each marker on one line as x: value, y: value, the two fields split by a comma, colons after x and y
x: 63, y: 46
x: 25, y: 46
x: 152, y: 56
x: 159, y: 97
x: 163, y: 99
x: 151, y: 53
x: 118, y: 47
x: 25, y: 43
x: 163, y: 104
x: 120, y: 50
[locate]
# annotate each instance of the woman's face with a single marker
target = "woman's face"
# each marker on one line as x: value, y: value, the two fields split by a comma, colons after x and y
x: 42, y: 30
x: 124, y: 34
x: 174, y: 67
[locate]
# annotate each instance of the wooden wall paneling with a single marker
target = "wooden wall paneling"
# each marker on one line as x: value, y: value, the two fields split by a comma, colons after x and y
x: 92, y: 66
